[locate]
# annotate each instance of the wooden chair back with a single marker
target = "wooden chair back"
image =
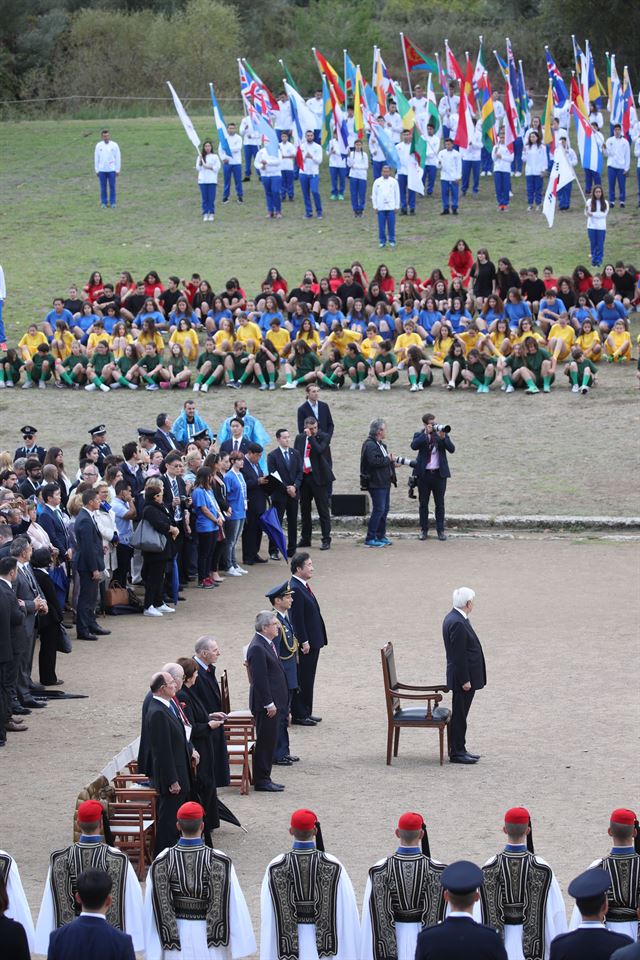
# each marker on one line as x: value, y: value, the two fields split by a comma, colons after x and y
x: 225, y: 698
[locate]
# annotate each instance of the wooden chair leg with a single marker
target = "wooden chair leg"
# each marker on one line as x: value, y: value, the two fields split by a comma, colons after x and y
x: 396, y: 741
x: 389, y: 743
x: 441, y: 732
x: 448, y: 739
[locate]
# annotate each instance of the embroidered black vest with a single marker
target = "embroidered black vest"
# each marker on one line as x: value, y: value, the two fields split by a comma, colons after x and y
x: 515, y: 891
x: 404, y: 889
x: 304, y: 889
x: 66, y: 867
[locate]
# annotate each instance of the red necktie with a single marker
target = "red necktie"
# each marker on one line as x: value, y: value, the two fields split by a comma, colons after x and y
x: 307, y: 457
x: 183, y: 716
x: 310, y: 590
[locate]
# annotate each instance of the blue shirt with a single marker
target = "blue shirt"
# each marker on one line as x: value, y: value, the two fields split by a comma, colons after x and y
x: 236, y: 494
x: 265, y: 320
x: 609, y: 314
x: 492, y: 314
x: 204, y: 498
x: 556, y: 307
x: 427, y: 318
x: 52, y: 317
x: 455, y: 316
x: 516, y: 312
x: 218, y: 315
x: 124, y: 527
x: 155, y: 315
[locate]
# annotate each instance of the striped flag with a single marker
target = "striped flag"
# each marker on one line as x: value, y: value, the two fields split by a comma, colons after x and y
x: 404, y: 109
x: 468, y: 84
x: 433, y: 115
x: 547, y: 133
x: 414, y: 58
x: 560, y: 93
x: 590, y: 153
x: 417, y: 160
x: 221, y: 126
x: 487, y: 113
x: 326, y: 70
x: 453, y: 67
x: 349, y: 73
x: 358, y: 114
x: 561, y: 175
x: 464, y: 132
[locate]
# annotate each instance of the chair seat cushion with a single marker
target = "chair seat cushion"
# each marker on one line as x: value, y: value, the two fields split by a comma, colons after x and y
x: 419, y: 715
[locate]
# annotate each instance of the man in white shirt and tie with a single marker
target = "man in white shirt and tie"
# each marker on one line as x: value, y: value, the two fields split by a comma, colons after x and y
x: 107, y: 162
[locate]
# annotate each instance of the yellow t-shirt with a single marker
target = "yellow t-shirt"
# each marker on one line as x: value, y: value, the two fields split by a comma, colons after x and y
x: 30, y: 343
x: 406, y: 340
x: 188, y: 340
x: 497, y: 339
x: 250, y: 331
x: 369, y: 348
x: 119, y: 351
x: 587, y: 341
x: 312, y: 337
x: 221, y: 336
x: 440, y: 350
x: 67, y: 339
x: 94, y: 340
x: 618, y: 340
x: 471, y: 339
x: 530, y: 333
x: 279, y: 338
x: 146, y: 338
x: 340, y: 339
x: 567, y: 334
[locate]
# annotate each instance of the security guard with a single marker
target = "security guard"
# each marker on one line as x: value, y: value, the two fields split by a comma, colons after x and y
x: 591, y: 939
x: 30, y: 447
x: 287, y: 647
x: 98, y: 438
x: 459, y: 937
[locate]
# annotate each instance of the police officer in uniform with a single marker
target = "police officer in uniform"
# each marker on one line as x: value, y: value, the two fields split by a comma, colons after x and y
x: 98, y: 438
x: 286, y: 645
x: 459, y: 937
x: 30, y: 448
x: 591, y: 940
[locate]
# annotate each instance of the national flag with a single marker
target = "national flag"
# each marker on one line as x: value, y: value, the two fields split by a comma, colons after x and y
x: 221, y: 126
x: 442, y: 76
x: 609, y: 98
x: 349, y: 73
x: 504, y: 69
x: 578, y: 55
x: 414, y: 58
x: 339, y: 122
x: 326, y: 70
x: 358, y: 116
x: 561, y: 175
x: 591, y: 81
x: 189, y: 128
x: 487, y: 113
x: 468, y: 84
x: 370, y: 101
x: 628, y: 107
x: 302, y: 120
x: 269, y: 136
x: 464, y: 131
x: 511, y: 127
x: 453, y: 67
x: 590, y: 154
x: 287, y: 74
x: 547, y: 133
x: 405, y: 109
x: 384, y: 141
x: 254, y: 91
x: 433, y: 115
x: 480, y: 67
x: 616, y: 94
x: 417, y: 160
x: 379, y: 84
x: 523, y: 97
x: 326, y: 115
x: 560, y: 93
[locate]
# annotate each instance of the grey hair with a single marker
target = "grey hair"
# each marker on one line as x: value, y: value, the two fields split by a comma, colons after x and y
x: 203, y: 643
x: 174, y: 669
x: 462, y: 596
x: 263, y: 619
x: 376, y: 426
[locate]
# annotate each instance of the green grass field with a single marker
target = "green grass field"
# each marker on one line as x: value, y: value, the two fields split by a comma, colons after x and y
x: 515, y: 455
x: 54, y: 231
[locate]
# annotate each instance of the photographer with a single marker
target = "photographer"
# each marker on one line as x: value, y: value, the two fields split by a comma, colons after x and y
x: 432, y: 470
x: 377, y: 473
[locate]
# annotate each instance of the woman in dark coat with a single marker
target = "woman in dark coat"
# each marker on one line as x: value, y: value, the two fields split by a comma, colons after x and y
x: 12, y: 934
x: 49, y: 622
x: 202, y: 739
x: 154, y: 565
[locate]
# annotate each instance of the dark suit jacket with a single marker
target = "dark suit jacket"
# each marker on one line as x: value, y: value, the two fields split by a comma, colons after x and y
x: 167, y: 496
x: 39, y: 452
x: 420, y: 443
x: 256, y: 492
x: 50, y: 521
x: 459, y: 939
x: 321, y: 471
x: 290, y: 664
x: 11, y: 622
x: 163, y: 444
x: 325, y: 420
x: 89, y: 555
x: 627, y: 953
x: 268, y: 680
x: 291, y: 475
x: 594, y: 944
x: 134, y: 477
x: 90, y: 937
x: 55, y: 613
x: 227, y: 445
x: 208, y: 691
x: 13, y: 939
x: 168, y: 759
x: 29, y: 489
x: 24, y: 591
x: 306, y: 618
x: 465, y: 659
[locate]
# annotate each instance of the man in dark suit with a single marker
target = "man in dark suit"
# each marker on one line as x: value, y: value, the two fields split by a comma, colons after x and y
x: 11, y: 621
x: 286, y: 644
x: 311, y: 633
x: 33, y: 478
x: 237, y: 440
x: 30, y: 448
x: 287, y: 463
x: 31, y: 600
x: 314, y: 407
x: 627, y: 953
x: 206, y: 654
x: 432, y: 472
x: 165, y: 440
x: 89, y: 562
x: 257, y: 483
x: 317, y: 477
x: 459, y: 937
x: 168, y: 762
x: 268, y: 698
x: 466, y: 670
x: 89, y: 935
x: 176, y: 501
x: 591, y: 939
x: 50, y: 519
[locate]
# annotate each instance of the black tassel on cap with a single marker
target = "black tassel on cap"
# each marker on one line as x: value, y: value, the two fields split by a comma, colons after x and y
x: 530, y: 838
x: 636, y: 839
x: 425, y: 841
x: 319, y: 840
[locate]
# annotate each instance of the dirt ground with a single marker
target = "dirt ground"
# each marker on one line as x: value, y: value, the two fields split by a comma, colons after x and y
x: 556, y: 725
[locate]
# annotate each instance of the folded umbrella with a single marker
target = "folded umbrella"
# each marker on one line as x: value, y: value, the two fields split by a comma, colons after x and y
x: 270, y: 523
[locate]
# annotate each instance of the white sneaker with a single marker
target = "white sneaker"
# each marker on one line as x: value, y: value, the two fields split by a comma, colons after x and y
x: 165, y: 608
x: 413, y: 388
x: 575, y: 388
x: 204, y: 388
x: 152, y: 612
x: 205, y: 217
x: 196, y: 388
x: 41, y: 385
x: 233, y: 572
x: 510, y: 388
x: 9, y: 383
x: 27, y: 385
x: 382, y: 386
x: 132, y: 386
x: 288, y: 386
x: 115, y: 386
x: 104, y: 388
x: 241, y: 569
x: 361, y: 386
x: 354, y: 386
x: 420, y: 386
x: 451, y: 385
x: 90, y: 387
x: 272, y: 386
x: 2, y: 384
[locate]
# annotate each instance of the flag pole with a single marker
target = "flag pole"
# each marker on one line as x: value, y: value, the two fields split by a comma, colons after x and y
x: 406, y: 63
x: 244, y: 105
x: 346, y: 81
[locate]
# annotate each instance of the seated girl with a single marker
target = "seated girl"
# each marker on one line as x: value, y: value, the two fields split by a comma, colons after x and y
x: 73, y: 369
x: 186, y: 338
x: 267, y: 365
x: 588, y: 340
x: 617, y: 346
x: 356, y: 366
x: 480, y: 373
x: 453, y: 366
x: 385, y: 366
x: 418, y: 369
x: 581, y: 371
x: 176, y: 372
x: 301, y: 364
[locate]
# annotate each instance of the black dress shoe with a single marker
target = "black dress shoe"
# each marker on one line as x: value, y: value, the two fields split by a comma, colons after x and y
x: 274, y: 556
x: 87, y: 636
x: 54, y: 683
x: 283, y: 762
x: 462, y: 758
x: 474, y: 756
x: 99, y: 632
x: 304, y: 543
x: 442, y: 536
x: 315, y: 719
x: 325, y: 546
x: 260, y: 559
x: 292, y: 758
x: 423, y: 535
x: 33, y: 703
x: 35, y: 687
x: 303, y: 722
x: 16, y: 727
x: 19, y: 711
x: 269, y: 788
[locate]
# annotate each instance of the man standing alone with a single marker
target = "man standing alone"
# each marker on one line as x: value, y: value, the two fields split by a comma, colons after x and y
x: 268, y: 698
x: 432, y: 471
x: 385, y: 199
x: 107, y: 167
x: 466, y: 671
x: 309, y: 628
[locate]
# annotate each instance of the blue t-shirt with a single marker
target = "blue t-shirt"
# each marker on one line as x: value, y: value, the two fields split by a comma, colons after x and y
x: 52, y: 317
x: 155, y: 315
x: 585, y: 313
x: 218, y: 315
x: 357, y: 324
x: 492, y: 314
x: 427, y: 318
x: 204, y: 498
x: 517, y: 311
x: 609, y: 314
x: 236, y: 487
x: 84, y: 322
x: 455, y: 317
x: 556, y: 307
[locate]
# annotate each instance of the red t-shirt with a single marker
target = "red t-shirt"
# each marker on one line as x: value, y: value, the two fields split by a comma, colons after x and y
x: 280, y: 286
x: 460, y: 262
x: 94, y: 291
x: 388, y: 285
x: 550, y: 283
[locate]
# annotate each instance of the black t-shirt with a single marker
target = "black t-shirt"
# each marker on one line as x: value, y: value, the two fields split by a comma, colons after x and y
x: 533, y: 290
x: 302, y: 296
x: 346, y: 290
x: 624, y: 286
x: 483, y: 276
x: 135, y: 303
x: 506, y: 281
x: 276, y: 296
x: 596, y: 296
x: 111, y: 298
x: 75, y: 306
x: 568, y: 298
x: 169, y: 298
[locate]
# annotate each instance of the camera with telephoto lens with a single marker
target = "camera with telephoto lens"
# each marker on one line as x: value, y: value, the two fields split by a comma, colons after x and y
x: 405, y: 462
x: 442, y: 428
x: 412, y: 482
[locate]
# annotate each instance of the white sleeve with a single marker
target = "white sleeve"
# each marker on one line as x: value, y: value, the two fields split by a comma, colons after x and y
x: 243, y: 941
x: 348, y: 920
x: 46, y: 919
x: 152, y: 945
x: 366, y: 933
x: 374, y: 195
x: 3, y: 286
x: 555, y: 916
x: 133, y: 909
x: 268, y: 938
x: 96, y: 154
x: 118, y: 158
x: 18, y: 906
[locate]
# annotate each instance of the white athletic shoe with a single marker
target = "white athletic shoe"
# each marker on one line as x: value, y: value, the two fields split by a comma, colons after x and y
x: 90, y: 387
x: 27, y: 385
x: 413, y: 388
x: 204, y: 388
x: 242, y: 570
x: 354, y: 386
x: 196, y: 388
x: 361, y: 386
x: 272, y: 386
x: 382, y: 386
x: 151, y: 612
x: 132, y: 386
x: 420, y: 386
x: 510, y: 388
x: 233, y: 572
x: 165, y: 608
x: 575, y: 388
x: 104, y: 388
x: 115, y: 386
x: 289, y: 386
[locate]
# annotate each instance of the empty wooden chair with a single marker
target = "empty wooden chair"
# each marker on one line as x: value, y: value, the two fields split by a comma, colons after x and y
x: 399, y: 716
x: 133, y: 830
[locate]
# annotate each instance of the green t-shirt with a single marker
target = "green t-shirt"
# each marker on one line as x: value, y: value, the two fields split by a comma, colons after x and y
x: 477, y: 369
x: 514, y: 363
x: 307, y: 363
x: 386, y: 358
x: 214, y: 359
x: 238, y: 367
x: 177, y: 364
x: 100, y: 360
x: 124, y: 364
x: 586, y: 364
x: 534, y: 360
x: 72, y: 361
x: 148, y: 362
x: 39, y: 359
x: 352, y: 359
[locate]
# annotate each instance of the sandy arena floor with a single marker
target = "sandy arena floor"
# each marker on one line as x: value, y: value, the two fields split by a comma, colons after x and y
x: 556, y: 726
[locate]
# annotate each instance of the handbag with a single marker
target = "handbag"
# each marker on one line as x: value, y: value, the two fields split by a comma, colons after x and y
x: 115, y: 595
x: 147, y: 538
x: 63, y: 644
